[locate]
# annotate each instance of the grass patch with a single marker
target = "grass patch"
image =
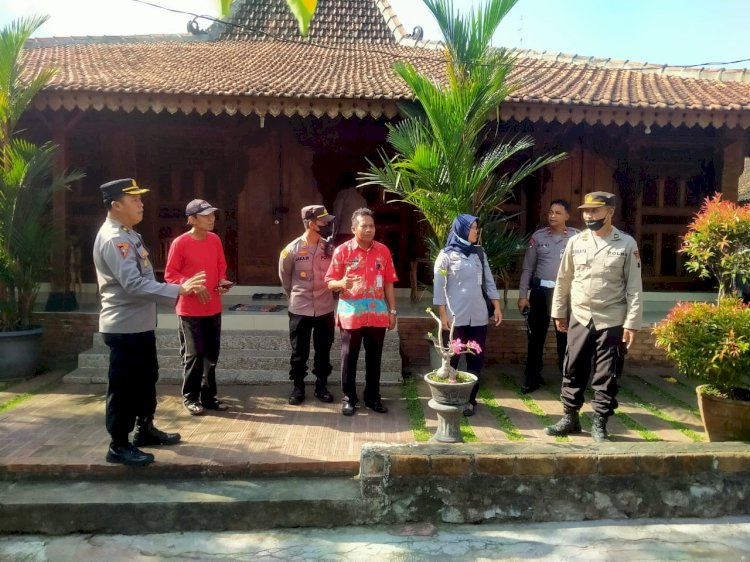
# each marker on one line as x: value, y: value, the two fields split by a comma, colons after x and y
x: 530, y: 404
x: 503, y: 421
x: 21, y: 398
x: 676, y: 424
x: 467, y: 432
x: 414, y: 410
x: 667, y: 396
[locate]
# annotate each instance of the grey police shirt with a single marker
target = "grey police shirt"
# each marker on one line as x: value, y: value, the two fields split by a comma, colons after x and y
x: 543, y: 257
x: 129, y: 292
x: 460, y: 276
x: 302, y: 271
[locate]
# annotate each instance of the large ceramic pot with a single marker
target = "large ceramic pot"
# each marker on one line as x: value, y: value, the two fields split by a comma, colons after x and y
x: 20, y: 353
x: 724, y: 419
x: 448, y: 401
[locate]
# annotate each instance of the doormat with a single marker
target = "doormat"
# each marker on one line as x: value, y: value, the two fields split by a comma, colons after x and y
x: 268, y: 296
x: 257, y: 307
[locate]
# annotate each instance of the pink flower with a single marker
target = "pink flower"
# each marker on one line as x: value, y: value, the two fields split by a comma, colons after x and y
x: 457, y: 346
x: 473, y: 346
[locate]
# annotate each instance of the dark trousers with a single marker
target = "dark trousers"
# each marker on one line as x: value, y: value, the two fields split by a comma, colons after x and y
x: 322, y: 330
x: 131, y: 390
x: 474, y: 363
x: 351, y: 341
x: 604, y: 351
x: 540, y: 303
x: 200, y: 342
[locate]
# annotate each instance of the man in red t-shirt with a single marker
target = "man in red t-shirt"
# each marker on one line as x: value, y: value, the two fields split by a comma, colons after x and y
x: 199, y: 314
x: 362, y: 269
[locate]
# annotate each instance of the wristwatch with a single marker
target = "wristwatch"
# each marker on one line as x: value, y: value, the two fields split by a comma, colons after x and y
x: 393, y: 311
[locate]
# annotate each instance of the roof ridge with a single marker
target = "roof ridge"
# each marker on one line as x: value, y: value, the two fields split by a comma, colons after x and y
x: 41, y: 42
x: 700, y: 72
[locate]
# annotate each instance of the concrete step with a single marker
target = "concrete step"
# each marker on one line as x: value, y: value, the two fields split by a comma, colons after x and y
x: 243, y: 359
x: 136, y: 507
x: 277, y: 340
x: 98, y: 375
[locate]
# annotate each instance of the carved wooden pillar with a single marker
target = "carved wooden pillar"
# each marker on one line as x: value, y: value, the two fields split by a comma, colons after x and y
x: 733, y: 162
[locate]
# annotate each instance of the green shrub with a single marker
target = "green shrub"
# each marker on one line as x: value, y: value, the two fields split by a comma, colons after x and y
x: 709, y: 342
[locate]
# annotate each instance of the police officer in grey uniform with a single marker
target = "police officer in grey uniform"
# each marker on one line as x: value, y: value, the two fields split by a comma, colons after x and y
x: 540, y: 265
x: 129, y: 294
x: 303, y: 264
x: 600, y: 283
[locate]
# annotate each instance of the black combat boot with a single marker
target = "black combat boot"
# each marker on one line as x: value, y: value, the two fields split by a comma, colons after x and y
x: 599, y: 428
x: 321, y: 391
x: 569, y: 423
x: 298, y: 394
x: 128, y: 454
x: 146, y: 434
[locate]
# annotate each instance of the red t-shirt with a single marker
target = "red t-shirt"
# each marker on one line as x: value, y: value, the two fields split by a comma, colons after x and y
x: 188, y: 256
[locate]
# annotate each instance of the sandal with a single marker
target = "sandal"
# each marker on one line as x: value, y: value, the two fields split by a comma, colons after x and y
x: 194, y: 408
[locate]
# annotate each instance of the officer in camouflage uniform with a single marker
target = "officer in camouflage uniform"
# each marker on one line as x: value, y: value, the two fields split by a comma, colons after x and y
x: 600, y: 283
x: 303, y: 264
x: 129, y: 294
x: 540, y: 266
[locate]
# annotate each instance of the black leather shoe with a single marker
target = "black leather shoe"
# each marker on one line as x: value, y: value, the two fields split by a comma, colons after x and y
x: 377, y: 407
x: 297, y: 396
x: 217, y: 405
x: 348, y: 409
x: 146, y: 435
x: 529, y: 388
x: 322, y: 394
x: 470, y: 410
x: 129, y: 455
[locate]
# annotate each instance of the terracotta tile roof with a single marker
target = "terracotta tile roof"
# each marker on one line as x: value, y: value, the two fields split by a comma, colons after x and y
x: 335, y: 21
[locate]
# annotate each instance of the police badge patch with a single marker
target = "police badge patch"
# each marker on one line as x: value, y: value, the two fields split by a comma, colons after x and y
x: 124, y: 248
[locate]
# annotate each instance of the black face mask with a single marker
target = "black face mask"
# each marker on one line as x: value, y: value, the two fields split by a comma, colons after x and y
x: 595, y: 224
x: 326, y: 230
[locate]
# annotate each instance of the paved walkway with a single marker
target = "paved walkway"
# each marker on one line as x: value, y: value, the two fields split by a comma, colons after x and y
x: 48, y: 426
x: 724, y: 539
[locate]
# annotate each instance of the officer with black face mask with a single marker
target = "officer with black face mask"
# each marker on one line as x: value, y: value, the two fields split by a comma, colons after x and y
x: 303, y: 264
x: 599, y: 281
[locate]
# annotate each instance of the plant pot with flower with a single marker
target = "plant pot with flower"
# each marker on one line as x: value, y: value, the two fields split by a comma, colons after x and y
x: 710, y: 342
x: 450, y: 388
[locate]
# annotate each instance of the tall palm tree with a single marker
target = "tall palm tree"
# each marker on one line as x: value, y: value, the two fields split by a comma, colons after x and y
x: 445, y: 161
x: 27, y: 182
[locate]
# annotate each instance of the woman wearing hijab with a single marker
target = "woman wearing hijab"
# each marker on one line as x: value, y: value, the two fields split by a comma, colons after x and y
x: 459, y: 271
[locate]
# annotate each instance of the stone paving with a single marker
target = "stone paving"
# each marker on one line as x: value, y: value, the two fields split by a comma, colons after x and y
x: 60, y: 426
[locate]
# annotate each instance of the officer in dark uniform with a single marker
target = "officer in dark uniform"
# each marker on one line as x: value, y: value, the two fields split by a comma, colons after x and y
x: 129, y: 294
x: 540, y: 265
x: 599, y: 282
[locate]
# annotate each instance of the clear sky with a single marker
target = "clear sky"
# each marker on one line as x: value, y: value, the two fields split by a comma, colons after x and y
x: 676, y: 32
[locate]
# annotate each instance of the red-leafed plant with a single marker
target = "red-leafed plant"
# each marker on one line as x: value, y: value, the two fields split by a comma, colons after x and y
x: 711, y: 341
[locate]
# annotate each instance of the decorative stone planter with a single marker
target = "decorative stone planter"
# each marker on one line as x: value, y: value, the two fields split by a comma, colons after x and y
x: 724, y: 419
x: 448, y: 401
x: 19, y: 353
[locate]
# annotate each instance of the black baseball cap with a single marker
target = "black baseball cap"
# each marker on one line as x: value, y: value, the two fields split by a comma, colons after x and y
x: 199, y: 207
x: 316, y: 212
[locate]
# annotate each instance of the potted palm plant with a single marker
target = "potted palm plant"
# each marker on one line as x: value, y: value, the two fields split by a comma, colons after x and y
x: 446, y: 157
x: 27, y: 182
x: 711, y: 341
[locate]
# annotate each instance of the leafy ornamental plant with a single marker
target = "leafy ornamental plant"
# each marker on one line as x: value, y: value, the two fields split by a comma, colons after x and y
x: 445, y: 163
x: 27, y: 182
x: 718, y: 244
x: 711, y: 341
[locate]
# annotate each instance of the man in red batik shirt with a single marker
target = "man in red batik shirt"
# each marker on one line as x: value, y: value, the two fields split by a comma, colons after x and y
x: 199, y: 314
x: 362, y: 269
